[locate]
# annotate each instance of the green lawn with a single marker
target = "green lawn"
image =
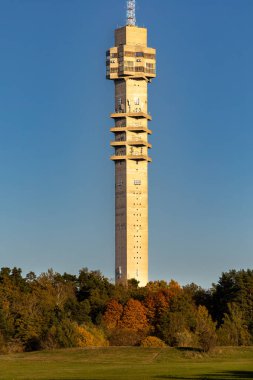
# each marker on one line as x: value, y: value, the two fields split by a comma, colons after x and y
x: 128, y: 363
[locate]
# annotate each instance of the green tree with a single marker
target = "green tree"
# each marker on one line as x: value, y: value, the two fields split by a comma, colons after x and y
x: 234, y: 330
x: 93, y: 286
x: 179, y: 321
x: 234, y: 287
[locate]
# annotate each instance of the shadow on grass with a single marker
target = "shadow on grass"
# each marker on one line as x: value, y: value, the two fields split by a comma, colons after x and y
x: 188, y: 349
x: 228, y: 375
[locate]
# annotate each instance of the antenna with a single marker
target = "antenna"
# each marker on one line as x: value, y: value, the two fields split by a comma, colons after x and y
x: 131, y: 20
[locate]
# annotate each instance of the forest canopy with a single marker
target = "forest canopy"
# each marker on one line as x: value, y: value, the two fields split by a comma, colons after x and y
x: 56, y: 310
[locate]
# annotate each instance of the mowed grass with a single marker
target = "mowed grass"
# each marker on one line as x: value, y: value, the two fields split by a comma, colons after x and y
x: 128, y: 363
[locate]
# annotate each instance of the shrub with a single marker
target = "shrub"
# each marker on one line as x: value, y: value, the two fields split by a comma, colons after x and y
x: 185, y: 338
x: 90, y: 336
x: 61, y: 335
x: 152, y: 341
x: 125, y: 337
x: 14, y: 346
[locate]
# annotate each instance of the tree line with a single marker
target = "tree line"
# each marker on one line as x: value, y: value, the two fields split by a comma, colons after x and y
x: 55, y: 310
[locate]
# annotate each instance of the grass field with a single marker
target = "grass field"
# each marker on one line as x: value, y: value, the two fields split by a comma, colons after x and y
x: 128, y: 363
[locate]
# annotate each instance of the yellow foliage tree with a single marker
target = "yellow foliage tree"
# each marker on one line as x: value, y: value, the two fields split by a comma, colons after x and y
x: 90, y: 336
x: 205, y: 329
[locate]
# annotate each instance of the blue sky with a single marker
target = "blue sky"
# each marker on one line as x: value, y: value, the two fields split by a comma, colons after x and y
x: 54, y: 126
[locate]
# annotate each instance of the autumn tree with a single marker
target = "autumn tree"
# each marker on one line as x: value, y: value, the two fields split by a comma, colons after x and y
x: 157, y: 300
x: 134, y: 316
x: 156, y: 304
x: 205, y: 329
x: 113, y: 314
x: 128, y: 325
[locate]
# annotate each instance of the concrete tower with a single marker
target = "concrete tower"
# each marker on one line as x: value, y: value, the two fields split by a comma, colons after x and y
x: 131, y: 65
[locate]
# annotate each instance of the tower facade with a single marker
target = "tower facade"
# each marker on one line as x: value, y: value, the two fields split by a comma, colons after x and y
x: 131, y: 65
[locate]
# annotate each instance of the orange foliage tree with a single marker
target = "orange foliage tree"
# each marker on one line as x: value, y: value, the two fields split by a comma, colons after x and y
x: 128, y: 325
x: 112, y: 314
x: 158, y: 298
x: 134, y: 316
x: 156, y: 305
x: 174, y: 289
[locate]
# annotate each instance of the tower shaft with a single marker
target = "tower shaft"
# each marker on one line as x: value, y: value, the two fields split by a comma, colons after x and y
x: 132, y: 65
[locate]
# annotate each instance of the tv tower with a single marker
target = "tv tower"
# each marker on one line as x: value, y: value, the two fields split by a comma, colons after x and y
x: 131, y: 65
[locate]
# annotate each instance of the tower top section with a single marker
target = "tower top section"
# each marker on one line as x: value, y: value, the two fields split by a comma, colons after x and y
x: 131, y: 35
x: 131, y: 57
x: 130, y: 16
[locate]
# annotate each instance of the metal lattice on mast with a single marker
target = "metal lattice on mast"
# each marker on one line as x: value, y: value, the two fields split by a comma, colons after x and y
x: 131, y: 19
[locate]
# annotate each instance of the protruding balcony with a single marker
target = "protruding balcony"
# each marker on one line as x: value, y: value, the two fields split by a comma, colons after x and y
x: 139, y: 142
x: 138, y: 115
x: 131, y: 128
x: 131, y: 156
x: 116, y: 157
x: 139, y: 157
x: 135, y: 158
x: 139, y: 128
x: 118, y: 143
x: 133, y: 142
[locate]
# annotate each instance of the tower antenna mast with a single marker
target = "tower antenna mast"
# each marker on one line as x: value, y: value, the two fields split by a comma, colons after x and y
x: 131, y: 19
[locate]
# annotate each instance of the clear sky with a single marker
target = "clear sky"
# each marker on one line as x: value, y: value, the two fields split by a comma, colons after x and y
x: 56, y: 179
